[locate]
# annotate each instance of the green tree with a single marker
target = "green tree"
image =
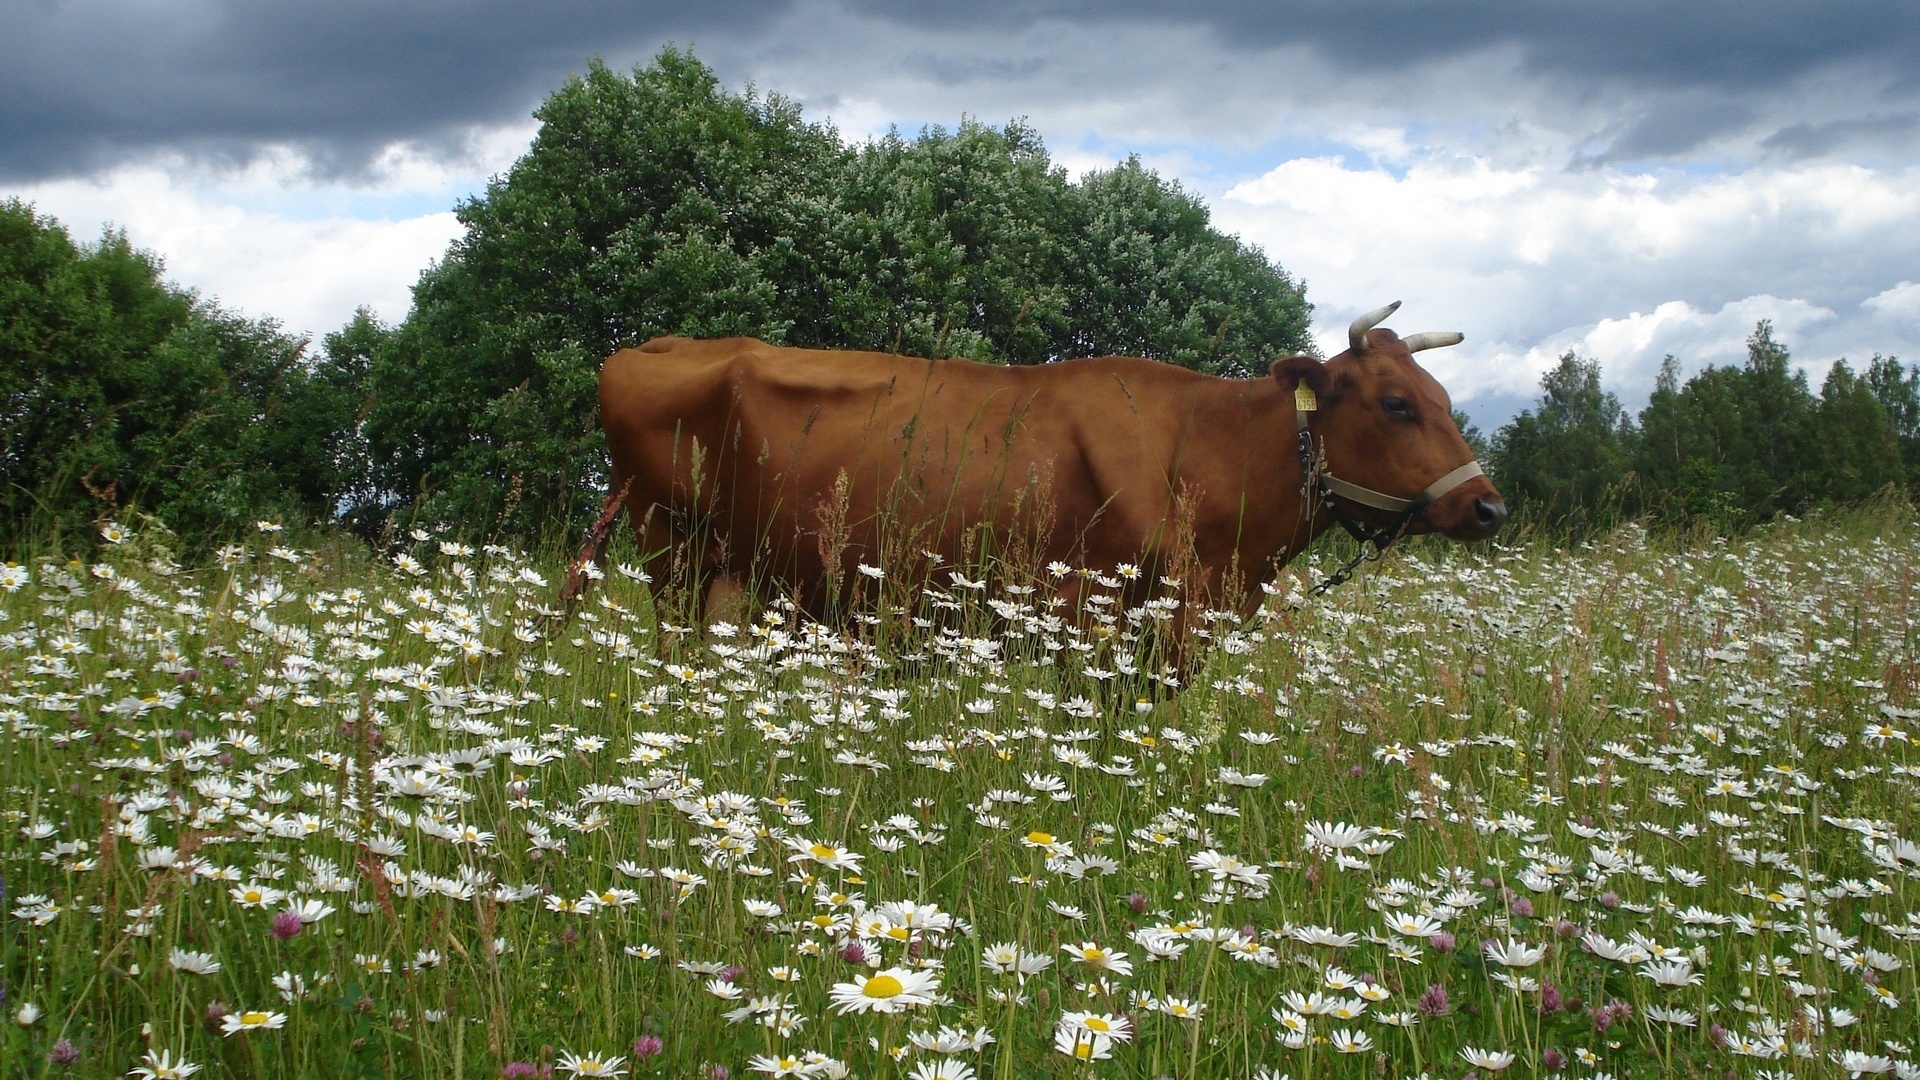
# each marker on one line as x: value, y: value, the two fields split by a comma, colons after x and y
x: 647, y: 205
x: 118, y: 390
x: 1681, y: 467
x: 1476, y: 439
x: 1150, y: 276
x: 659, y: 203
x: 1897, y: 388
x: 1773, y: 456
x: 1733, y: 444
x: 1564, y: 462
x: 1857, y: 453
x: 339, y: 398
x: 950, y: 246
x: 1742, y: 444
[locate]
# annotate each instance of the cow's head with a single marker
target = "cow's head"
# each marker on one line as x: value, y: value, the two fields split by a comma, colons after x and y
x: 1387, y: 425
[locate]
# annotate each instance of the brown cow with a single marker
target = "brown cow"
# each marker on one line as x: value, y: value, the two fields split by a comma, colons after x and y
x: 745, y: 459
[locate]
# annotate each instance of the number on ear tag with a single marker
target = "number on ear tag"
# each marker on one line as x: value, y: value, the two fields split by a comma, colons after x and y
x: 1304, y: 398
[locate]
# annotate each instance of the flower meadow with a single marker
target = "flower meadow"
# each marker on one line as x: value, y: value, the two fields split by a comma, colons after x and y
x: 1644, y: 807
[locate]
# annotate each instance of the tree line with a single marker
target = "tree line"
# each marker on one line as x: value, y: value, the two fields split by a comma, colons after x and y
x: 1731, y: 446
x: 657, y: 202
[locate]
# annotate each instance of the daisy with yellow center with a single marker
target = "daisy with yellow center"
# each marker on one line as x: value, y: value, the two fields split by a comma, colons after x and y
x: 1082, y: 1045
x: 256, y: 896
x: 1182, y: 1008
x: 1117, y: 1028
x: 832, y: 856
x: 1098, y: 958
x: 888, y: 991
x: 235, y: 1022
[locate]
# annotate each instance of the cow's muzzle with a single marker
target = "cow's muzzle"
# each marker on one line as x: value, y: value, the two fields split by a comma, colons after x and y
x: 1488, y: 516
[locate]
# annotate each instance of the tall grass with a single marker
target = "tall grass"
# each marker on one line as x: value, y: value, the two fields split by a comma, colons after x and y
x: 1643, y: 806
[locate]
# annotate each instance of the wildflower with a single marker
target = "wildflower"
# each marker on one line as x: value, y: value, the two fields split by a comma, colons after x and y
x: 1675, y: 1017
x: 1082, y: 1045
x: 252, y: 1020
x: 647, y: 1046
x: 1420, y: 926
x: 1619, y: 953
x: 196, y: 963
x: 1490, y: 1060
x: 950, y: 1040
x: 1514, y: 954
x: 1314, y: 1004
x: 891, y: 990
x: 1858, y: 1064
x: 943, y: 1069
x: 1007, y: 958
x: 163, y: 1065
x: 255, y: 895
x: 1550, y: 1000
x: 590, y: 1065
x: 1673, y: 973
x: 1328, y: 837
x: 1098, y: 958
x: 1117, y: 1028
x: 780, y: 1065
x: 27, y: 1015
x: 1352, y: 1042
x: 1291, y: 1022
x: 310, y: 911
x: 831, y: 856
x: 1324, y: 936
x: 1181, y: 1008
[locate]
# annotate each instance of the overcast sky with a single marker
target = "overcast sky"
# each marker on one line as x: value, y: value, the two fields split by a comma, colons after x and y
x: 1626, y: 179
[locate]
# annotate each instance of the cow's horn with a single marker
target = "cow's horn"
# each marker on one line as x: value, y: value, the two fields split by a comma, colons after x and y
x: 1357, y: 333
x: 1433, y: 339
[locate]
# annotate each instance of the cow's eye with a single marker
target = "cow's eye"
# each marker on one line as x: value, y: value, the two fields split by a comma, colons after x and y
x: 1397, y: 406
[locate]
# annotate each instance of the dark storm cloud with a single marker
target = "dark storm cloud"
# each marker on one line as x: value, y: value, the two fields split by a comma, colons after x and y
x: 1740, y: 44
x: 1797, y: 141
x: 83, y: 84
x: 1671, y: 130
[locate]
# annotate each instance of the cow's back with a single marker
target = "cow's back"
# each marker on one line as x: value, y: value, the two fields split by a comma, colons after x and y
x: 927, y: 451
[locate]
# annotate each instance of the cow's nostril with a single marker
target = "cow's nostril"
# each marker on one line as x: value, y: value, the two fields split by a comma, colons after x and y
x: 1489, y: 515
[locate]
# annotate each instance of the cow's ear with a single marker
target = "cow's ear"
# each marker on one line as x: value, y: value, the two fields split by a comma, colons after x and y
x: 1301, y: 368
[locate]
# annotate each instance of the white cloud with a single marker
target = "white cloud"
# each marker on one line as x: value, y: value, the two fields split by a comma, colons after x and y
x: 1632, y: 347
x: 1624, y: 267
x: 1899, y: 304
x: 271, y: 240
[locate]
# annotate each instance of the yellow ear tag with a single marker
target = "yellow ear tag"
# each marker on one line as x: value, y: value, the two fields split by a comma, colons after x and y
x: 1304, y: 398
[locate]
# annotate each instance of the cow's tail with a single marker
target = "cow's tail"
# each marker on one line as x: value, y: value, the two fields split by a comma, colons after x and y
x: 585, y: 566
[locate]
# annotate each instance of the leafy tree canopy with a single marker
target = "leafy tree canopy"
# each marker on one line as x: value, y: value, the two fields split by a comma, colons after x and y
x: 119, y: 390
x: 657, y: 203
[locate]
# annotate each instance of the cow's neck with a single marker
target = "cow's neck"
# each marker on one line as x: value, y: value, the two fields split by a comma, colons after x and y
x: 1255, y: 525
